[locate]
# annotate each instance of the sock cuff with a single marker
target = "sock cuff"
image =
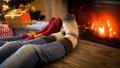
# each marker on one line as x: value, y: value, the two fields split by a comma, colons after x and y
x: 49, y: 39
x: 73, y: 40
x: 67, y: 44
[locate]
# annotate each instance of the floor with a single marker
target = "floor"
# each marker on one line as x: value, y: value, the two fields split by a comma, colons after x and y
x: 89, y: 55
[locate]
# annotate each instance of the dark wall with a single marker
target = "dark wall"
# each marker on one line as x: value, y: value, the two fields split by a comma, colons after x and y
x: 83, y: 9
x: 80, y: 9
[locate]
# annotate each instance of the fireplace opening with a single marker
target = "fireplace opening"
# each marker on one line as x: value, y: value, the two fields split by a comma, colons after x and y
x: 98, y: 20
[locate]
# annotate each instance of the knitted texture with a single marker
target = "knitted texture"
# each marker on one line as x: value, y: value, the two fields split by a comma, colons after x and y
x: 46, y: 27
x: 71, y: 28
x: 67, y: 44
x: 54, y: 27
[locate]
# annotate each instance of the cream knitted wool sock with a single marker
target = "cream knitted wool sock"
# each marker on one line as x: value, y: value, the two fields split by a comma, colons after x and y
x: 71, y: 29
x: 70, y: 25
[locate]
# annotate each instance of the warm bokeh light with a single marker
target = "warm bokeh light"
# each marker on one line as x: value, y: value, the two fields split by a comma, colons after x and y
x: 5, y: 7
x: 104, y: 26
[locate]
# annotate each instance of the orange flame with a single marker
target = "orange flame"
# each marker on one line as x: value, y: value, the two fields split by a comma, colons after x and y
x: 104, y: 26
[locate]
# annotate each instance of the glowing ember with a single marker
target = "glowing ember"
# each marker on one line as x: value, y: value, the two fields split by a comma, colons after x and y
x: 103, y: 26
x: 101, y: 30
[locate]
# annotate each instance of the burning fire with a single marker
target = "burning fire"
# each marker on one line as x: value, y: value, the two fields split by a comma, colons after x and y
x: 104, y: 26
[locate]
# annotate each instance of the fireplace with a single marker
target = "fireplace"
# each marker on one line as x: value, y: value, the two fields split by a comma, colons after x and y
x: 98, y: 20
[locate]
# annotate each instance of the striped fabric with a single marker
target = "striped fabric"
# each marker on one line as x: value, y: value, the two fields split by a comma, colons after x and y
x: 5, y: 31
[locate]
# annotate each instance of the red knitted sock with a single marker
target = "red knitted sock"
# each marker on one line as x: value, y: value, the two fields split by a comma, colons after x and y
x: 46, y: 27
x: 54, y: 27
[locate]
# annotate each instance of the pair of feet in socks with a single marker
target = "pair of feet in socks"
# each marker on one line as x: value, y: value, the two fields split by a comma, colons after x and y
x: 69, y: 26
x: 71, y: 30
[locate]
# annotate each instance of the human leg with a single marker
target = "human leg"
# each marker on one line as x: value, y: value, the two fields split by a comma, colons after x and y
x: 10, y: 47
x: 31, y: 56
x: 2, y: 42
x: 7, y: 49
x: 68, y: 43
x: 15, y: 38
